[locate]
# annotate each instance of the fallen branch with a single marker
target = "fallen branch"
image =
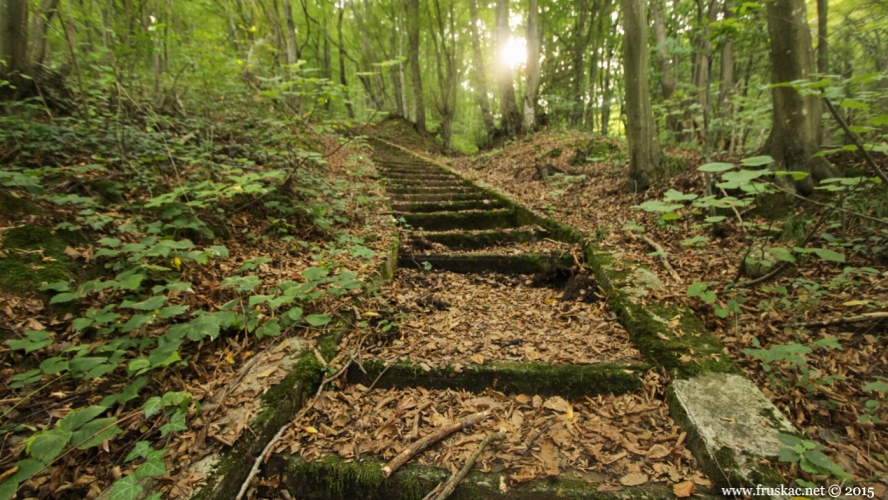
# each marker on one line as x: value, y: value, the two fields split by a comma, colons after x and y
x: 379, y: 377
x: 839, y: 321
x: 661, y: 252
x: 455, y: 479
x: 420, y: 445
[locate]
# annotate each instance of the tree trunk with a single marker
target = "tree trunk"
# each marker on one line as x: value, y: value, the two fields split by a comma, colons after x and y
x: 533, y: 65
x: 402, y: 76
x: 607, y: 92
x: 413, y: 57
x: 39, y: 27
x: 445, y: 56
x: 644, y: 153
x: 290, y: 36
x: 343, y: 80
x: 667, y: 79
x: 511, y: 118
x: 727, y: 64
x: 795, y: 133
x: 822, y: 42
x: 14, y: 45
x: 480, y: 76
x: 578, y: 63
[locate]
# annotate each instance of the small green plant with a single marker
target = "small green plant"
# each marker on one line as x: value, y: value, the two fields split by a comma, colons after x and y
x: 810, y: 457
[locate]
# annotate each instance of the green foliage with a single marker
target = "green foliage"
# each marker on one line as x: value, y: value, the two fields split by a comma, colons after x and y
x: 810, y: 458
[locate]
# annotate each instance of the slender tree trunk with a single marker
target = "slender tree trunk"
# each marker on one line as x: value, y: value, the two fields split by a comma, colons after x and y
x: 727, y: 63
x: 533, y: 65
x: 394, y: 70
x: 822, y: 41
x: 795, y: 134
x: 343, y: 80
x: 667, y: 79
x: 480, y: 76
x: 290, y: 35
x: 413, y: 58
x: 402, y: 76
x: 607, y: 92
x: 39, y: 27
x: 644, y: 152
x: 511, y: 118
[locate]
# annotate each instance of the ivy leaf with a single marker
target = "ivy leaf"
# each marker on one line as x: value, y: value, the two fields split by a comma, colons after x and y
x: 141, y: 450
x: 48, y: 445
x: 153, y: 467
x: 126, y: 488
x: 176, y: 423
x: 152, y: 406
x: 203, y: 326
x: 314, y: 273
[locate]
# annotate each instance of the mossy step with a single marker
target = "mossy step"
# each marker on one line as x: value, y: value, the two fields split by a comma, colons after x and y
x: 529, y: 263
x: 415, y: 171
x: 567, y: 381
x: 429, y: 190
x: 403, y: 163
x: 455, y: 206
x: 484, y: 239
x: 422, y: 183
x: 332, y: 478
x: 420, y: 177
x: 446, y: 221
x: 418, y: 198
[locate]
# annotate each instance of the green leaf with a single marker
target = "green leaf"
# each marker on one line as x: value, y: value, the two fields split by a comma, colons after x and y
x: 295, y: 314
x: 827, y: 343
x: 94, y: 432
x: 879, y: 121
x: 853, y: 104
x: 203, y: 326
x: 242, y: 283
x: 781, y: 254
x: 697, y: 288
x: 170, y: 311
x: 176, y: 423
x: 136, y: 322
x: 48, y: 445
x: 109, y: 242
x: 126, y: 488
x: 788, y: 455
x: 694, y: 240
x: 54, y: 365
x: 743, y: 176
x: 317, y: 319
x: 715, y: 167
x: 141, y: 450
x: 271, y: 328
x: 218, y: 250
x: 757, y: 161
x: 58, y: 286
x: 673, y: 195
x: 314, y: 273
x: 137, y: 365
x: 152, y: 406
x: 86, y: 364
x: 789, y: 440
x: 823, y: 253
x: 150, y: 304
x: 64, y: 297
x: 77, y: 418
x: 876, y: 386
x: 819, y: 459
x: 708, y: 296
x: 658, y: 206
x: 36, y: 340
x: 259, y: 299
x: 26, y: 469
x: 715, y: 218
x: 153, y: 467
x: 671, y: 216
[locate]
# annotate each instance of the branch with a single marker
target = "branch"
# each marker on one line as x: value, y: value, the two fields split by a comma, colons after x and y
x: 661, y: 252
x: 839, y: 321
x: 855, y: 139
x: 455, y: 479
x: 431, y: 439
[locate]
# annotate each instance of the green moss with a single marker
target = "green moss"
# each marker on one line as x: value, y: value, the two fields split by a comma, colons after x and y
x: 11, y: 204
x: 331, y: 478
x: 446, y: 206
x: 448, y: 221
x: 475, y: 241
x: 568, y: 381
x: 34, y: 256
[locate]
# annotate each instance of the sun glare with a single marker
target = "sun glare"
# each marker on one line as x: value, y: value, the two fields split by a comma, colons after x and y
x: 515, y: 53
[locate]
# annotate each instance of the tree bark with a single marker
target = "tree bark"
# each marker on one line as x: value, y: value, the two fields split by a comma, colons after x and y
x: 822, y: 42
x: 290, y: 35
x: 578, y: 63
x: 39, y: 27
x: 511, y: 118
x: 480, y: 76
x: 667, y: 79
x: 795, y: 133
x: 533, y: 65
x: 607, y: 92
x: 644, y: 152
x: 413, y: 57
x: 343, y: 79
x: 445, y: 54
x: 727, y: 64
x: 14, y: 45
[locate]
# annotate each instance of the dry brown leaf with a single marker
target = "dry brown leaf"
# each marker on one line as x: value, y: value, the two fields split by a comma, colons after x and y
x: 657, y: 451
x: 550, y: 458
x: 684, y: 489
x: 557, y: 403
x: 634, y: 479
x: 608, y: 488
x: 478, y: 358
x: 267, y: 372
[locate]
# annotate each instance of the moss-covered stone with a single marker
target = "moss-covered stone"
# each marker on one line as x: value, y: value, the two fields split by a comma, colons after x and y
x: 569, y: 381
x: 454, y: 206
x: 397, y: 190
x: 11, y: 204
x: 419, y: 197
x: 331, y: 478
x: 35, y: 255
x: 529, y: 263
x: 685, y: 347
x: 448, y: 221
x: 474, y: 241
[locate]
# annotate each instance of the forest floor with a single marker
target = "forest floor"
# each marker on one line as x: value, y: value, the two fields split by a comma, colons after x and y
x: 415, y: 342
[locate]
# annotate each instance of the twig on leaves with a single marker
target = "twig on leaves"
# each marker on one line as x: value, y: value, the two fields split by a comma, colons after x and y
x: 661, y: 253
x: 454, y: 480
x: 875, y: 316
x: 409, y: 452
x: 387, y: 366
